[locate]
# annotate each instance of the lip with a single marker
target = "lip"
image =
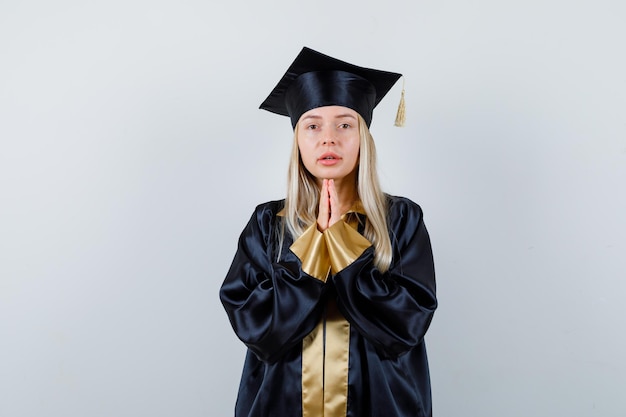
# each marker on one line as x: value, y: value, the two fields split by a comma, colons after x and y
x: 328, y: 159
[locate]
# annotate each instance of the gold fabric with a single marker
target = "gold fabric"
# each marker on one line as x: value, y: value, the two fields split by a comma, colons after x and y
x: 311, y: 249
x: 336, y: 362
x: 325, y: 362
x: 334, y: 249
x: 344, y: 244
x: 326, y: 350
x: 313, y: 372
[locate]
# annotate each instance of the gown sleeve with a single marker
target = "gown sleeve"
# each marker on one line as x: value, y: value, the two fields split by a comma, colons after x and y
x: 271, y: 305
x: 394, y: 309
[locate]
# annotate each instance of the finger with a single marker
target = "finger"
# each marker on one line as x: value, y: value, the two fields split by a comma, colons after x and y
x: 335, y: 207
x: 327, y: 185
x: 324, y: 207
x: 325, y: 197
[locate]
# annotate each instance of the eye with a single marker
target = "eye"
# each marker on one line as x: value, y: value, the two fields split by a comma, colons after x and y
x: 345, y: 126
x: 312, y: 127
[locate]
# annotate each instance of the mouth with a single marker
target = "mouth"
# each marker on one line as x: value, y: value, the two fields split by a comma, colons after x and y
x: 329, y: 159
x: 329, y: 156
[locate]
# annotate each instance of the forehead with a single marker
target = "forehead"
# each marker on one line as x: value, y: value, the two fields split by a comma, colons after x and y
x: 329, y: 112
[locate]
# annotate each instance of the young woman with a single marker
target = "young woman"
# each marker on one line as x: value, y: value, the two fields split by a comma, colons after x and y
x: 333, y: 288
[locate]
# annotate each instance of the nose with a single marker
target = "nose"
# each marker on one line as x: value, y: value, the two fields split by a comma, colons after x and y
x: 328, y: 140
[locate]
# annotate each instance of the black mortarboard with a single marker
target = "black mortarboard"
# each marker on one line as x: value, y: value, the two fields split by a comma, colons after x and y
x: 316, y: 80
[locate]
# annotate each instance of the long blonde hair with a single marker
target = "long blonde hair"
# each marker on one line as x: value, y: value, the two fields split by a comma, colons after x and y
x: 302, y: 201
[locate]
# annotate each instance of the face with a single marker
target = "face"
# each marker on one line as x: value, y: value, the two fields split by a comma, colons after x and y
x: 328, y: 140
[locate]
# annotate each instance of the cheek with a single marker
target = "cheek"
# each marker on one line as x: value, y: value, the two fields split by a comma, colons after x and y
x: 304, y: 152
x: 305, y: 156
x: 355, y: 152
x: 302, y: 144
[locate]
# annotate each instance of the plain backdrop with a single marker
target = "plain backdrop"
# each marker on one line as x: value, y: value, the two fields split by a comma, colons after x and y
x: 132, y: 153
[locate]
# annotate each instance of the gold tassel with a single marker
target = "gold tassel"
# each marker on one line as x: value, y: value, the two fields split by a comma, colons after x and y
x: 401, y: 115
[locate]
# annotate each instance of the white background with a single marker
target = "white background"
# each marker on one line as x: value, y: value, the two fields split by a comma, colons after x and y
x: 132, y: 153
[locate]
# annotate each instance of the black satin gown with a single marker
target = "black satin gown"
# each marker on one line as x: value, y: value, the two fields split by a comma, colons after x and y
x: 273, y: 305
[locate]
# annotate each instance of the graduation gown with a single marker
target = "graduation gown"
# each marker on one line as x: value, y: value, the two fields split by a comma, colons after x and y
x: 327, y: 333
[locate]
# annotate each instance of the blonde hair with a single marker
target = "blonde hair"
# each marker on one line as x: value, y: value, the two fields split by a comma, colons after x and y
x: 302, y: 201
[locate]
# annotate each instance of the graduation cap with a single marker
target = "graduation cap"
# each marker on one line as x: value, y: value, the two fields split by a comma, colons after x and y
x: 316, y: 80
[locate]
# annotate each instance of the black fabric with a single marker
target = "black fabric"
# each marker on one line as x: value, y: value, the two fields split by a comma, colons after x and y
x: 272, y: 305
x: 330, y: 88
x: 316, y: 80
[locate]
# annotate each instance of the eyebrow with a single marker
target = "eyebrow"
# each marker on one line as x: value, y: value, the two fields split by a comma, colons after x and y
x: 312, y: 116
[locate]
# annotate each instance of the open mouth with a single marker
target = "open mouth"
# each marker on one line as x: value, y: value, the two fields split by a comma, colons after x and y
x: 329, y: 156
